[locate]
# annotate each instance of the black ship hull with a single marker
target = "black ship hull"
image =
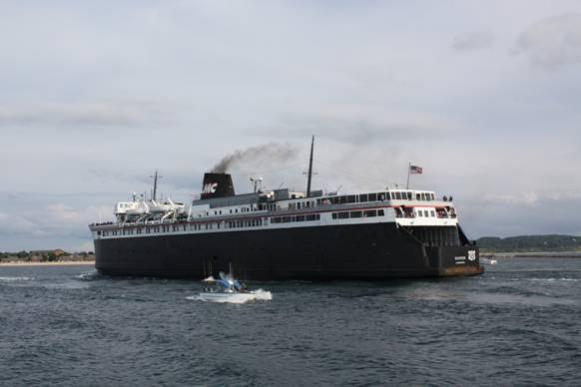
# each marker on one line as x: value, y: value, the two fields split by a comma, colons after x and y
x: 371, y: 252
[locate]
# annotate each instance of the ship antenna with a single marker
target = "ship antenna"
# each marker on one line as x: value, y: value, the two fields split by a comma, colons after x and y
x: 155, y: 177
x: 310, y: 174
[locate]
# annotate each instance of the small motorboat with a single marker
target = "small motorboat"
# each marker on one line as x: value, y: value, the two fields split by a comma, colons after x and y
x: 229, y: 289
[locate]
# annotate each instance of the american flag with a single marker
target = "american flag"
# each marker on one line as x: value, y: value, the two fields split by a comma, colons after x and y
x: 416, y: 169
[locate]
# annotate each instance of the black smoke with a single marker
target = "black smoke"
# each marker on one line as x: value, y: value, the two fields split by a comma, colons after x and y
x: 271, y: 152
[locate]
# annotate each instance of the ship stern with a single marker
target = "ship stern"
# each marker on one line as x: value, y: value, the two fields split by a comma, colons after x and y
x: 453, y: 261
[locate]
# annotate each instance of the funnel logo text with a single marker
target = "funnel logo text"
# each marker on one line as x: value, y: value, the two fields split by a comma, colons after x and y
x: 210, y: 188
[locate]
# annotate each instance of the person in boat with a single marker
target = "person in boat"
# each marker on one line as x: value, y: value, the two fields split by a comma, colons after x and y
x: 240, y: 287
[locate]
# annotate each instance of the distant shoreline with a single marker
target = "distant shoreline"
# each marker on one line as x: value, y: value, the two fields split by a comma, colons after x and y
x: 57, y: 263
x: 537, y: 254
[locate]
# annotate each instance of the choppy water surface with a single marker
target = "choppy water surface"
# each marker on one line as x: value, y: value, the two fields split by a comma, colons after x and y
x: 518, y: 324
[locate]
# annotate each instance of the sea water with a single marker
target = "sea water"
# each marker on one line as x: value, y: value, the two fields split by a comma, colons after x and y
x: 518, y: 324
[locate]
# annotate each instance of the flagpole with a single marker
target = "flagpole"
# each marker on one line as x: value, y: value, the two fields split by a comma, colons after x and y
x: 407, y: 186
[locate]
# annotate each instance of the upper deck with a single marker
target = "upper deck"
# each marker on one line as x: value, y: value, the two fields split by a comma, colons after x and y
x: 286, y: 209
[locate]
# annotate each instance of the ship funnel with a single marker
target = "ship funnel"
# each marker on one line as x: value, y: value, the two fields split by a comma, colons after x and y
x: 217, y: 185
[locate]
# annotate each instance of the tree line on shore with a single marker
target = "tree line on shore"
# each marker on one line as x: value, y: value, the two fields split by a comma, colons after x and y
x: 57, y: 255
x: 530, y: 243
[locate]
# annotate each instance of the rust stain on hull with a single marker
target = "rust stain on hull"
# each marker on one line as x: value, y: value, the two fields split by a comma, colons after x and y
x: 462, y: 271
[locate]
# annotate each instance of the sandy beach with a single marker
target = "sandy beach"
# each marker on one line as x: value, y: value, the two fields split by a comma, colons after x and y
x: 63, y: 263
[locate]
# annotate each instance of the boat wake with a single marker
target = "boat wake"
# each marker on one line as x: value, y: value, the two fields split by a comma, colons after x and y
x: 233, y: 298
x: 16, y: 279
x: 89, y: 275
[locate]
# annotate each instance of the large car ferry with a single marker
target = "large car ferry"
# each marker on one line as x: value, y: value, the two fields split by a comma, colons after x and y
x: 282, y: 234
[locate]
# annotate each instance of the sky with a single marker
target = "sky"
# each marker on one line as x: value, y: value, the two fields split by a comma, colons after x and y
x: 484, y: 95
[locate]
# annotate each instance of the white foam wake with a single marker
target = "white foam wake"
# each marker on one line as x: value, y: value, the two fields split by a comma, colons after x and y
x: 233, y: 298
x: 89, y: 275
x: 16, y: 279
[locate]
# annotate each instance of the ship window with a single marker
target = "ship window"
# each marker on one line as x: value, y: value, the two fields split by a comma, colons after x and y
x: 356, y: 214
x: 343, y: 215
x: 362, y: 198
x: 409, y: 194
x: 370, y: 213
x: 372, y: 197
x: 420, y: 213
x: 426, y: 213
x: 398, y: 195
x: 351, y: 199
x: 334, y: 215
x: 300, y: 218
x: 286, y: 219
x: 380, y: 213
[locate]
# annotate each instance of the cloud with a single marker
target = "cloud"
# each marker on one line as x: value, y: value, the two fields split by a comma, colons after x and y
x: 80, y: 115
x: 526, y: 214
x: 359, y: 124
x: 17, y: 224
x: 524, y: 198
x: 65, y: 225
x: 552, y: 42
x: 94, y: 98
x: 473, y: 42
